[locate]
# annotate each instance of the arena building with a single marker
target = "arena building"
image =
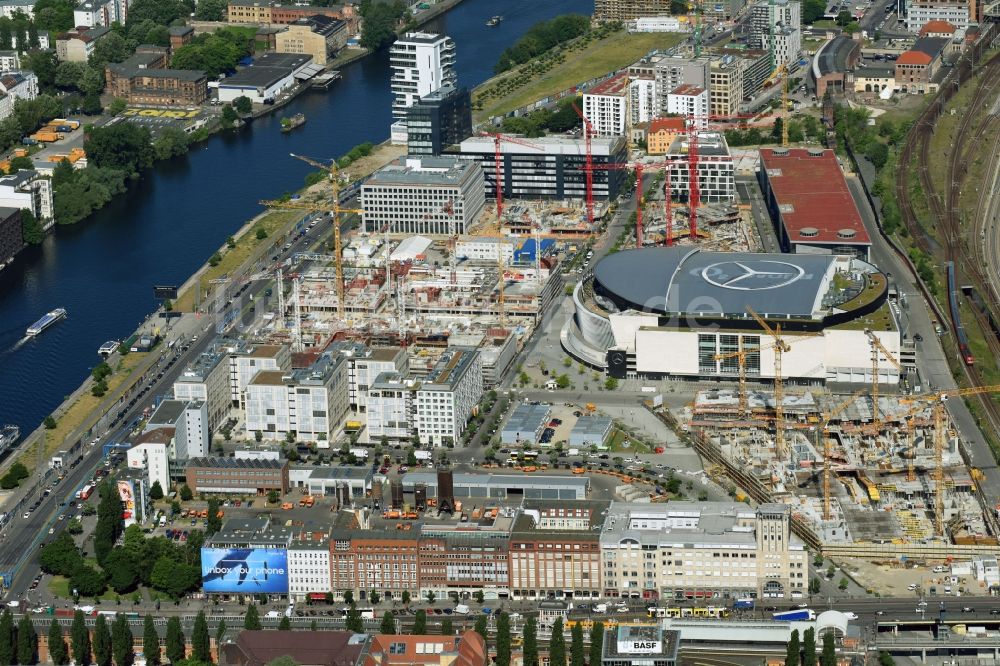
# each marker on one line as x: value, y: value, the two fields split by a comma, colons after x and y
x: 670, y: 312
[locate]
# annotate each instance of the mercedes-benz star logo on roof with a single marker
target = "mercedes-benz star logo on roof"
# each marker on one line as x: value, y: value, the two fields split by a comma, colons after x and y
x: 752, y: 275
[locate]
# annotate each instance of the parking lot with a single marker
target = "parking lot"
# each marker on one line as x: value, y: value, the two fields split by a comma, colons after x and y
x: 158, y: 119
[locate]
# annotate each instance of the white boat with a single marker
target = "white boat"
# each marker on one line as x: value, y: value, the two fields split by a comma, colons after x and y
x: 46, y: 321
x: 8, y: 435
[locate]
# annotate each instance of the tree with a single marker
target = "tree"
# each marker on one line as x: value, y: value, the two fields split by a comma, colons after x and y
x: 354, y: 622
x: 185, y: 493
x: 102, y: 642
x: 214, y: 522
x: 57, y: 644
x: 88, y: 581
x: 431, y: 596
x: 610, y: 384
x: 374, y: 597
x: 809, y: 647
x: 60, y: 556
x: 562, y: 381
x: 122, y: 571
x: 447, y: 629
x: 529, y: 649
x: 814, y: 585
x: 150, y: 641
x: 576, y: 652
x: 7, y: 638
x: 380, y: 20
x: 388, y: 625
x: 156, y: 491
x: 121, y: 146
x: 211, y: 10
x: 31, y: 230
x: 220, y: 631
x: 420, y: 623
x: 885, y: 659
x: 481, y: 627
x: 80, y: 637
x: 792, y: 649
x: 243, y: 105
x: 503, y: 640
x: 844, y: 19
x: 27, y: 641
x: 49, y: 422
x: 285, y: 624
x: 542, y: 37
x: 557, y: 644
x: 251, y: 620
x: 54, y: 15
x: 829, y: 655
x: 117, y: 106
x: 174, y: 577
x: 121, y: 641
x: 843, y: 583
x: 175, y: 640
x: 201, y: 646
x: 405, y: 597
x: 170, y: 142
x: 596, y: 642
x: 109, y: 521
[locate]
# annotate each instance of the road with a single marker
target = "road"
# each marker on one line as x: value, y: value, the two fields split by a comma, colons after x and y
x: 933, y: 363
x: 22, y: 537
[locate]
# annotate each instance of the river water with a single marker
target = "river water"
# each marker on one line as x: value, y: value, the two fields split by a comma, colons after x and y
x: 102, y: 270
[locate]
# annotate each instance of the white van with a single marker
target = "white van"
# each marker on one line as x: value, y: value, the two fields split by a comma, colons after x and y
x: 462, y: 609
x: 600, y: 608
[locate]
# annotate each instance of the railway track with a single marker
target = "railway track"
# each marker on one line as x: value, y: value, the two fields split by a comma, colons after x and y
x: 944, y: 199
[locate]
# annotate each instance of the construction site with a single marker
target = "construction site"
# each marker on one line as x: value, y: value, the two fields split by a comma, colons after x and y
x: 868, y: 474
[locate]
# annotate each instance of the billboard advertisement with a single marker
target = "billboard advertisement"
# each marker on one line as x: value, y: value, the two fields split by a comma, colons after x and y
x: 126, y: 493
x: 244, y: 570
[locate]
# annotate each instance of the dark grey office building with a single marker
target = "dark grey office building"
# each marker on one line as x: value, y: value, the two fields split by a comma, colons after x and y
x: 440, y: 119
x: 11, y: 239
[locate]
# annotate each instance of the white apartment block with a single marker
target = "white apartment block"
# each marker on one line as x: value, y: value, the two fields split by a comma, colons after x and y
x: 675, y: 70
x: 703, y: 550
x: 642, y: 100
x: 787, y: 45
x: 152, y: 457
x: 15, y: 86
x: 447, y: 395
x: 189, y: 421
x: 308, y: 568
x: 606, y: 106
x: 425, y: 195
x: 364, y: 365
x: 28, y: 189
x: 244, y: 363
x: 207, y: 380
x: 919, y: 12
x: 782, y: 14
x: 716, y: 171
x: 485, y: 248
x: 690, y: 101
x: 310, y: 403
x: 9, y: 61
x: 390, y: 408
x: 9, y: 8
x: 421, y: 63
x: 93, y: 13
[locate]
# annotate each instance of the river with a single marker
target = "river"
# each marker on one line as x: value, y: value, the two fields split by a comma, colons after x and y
x: 103, y: 270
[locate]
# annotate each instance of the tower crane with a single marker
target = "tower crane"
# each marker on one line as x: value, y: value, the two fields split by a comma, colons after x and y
x: 937, y: 400
x: 588, y: 163
x: 741, y: 356
x: 335, y: 210
x: 498, y: 139
x: 780, y: 347
x: 878, y: 349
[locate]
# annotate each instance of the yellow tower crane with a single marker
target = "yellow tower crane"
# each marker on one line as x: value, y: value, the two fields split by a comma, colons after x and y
x: 335, y: 210
x: 780, y: 347
x: 878, y: 349
x: 937, y: 399
x: 741, y: 356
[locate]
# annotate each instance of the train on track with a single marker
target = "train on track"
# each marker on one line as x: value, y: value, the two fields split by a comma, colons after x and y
x: 956, y: 318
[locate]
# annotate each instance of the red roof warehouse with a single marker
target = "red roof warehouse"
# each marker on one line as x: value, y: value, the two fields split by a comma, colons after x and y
x: 809, y: 201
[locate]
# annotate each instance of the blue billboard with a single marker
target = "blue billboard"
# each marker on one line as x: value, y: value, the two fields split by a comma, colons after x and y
x: 244, y: 570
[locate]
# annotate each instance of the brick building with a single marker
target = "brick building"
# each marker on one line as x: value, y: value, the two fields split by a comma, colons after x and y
x: 144, y: 79
x: 236, y: 475
x: 555, y: 550
x: 11, y: 239
x: 917, y: 68
x: 361, y: 561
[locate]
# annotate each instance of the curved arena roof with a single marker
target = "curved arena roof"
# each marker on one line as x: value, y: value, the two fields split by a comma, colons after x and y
x: 686, y: 281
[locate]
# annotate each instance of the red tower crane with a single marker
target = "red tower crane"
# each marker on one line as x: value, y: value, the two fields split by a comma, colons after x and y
x: 588, y: 164
x: 498, y: 184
